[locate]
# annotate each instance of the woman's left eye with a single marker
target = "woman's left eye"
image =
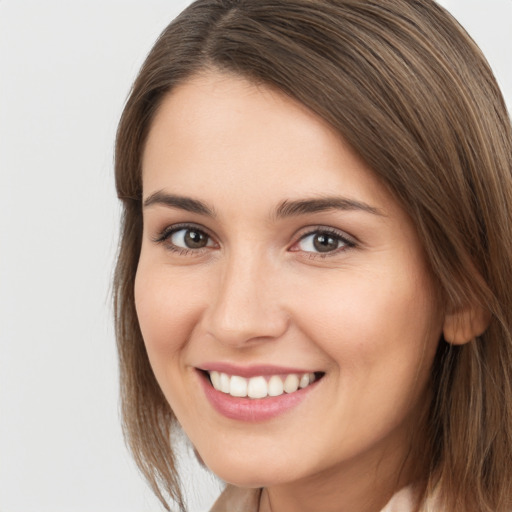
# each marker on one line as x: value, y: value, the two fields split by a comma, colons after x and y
x: 322, y: 242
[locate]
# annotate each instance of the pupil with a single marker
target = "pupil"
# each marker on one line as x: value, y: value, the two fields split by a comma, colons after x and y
x: 325, y: 243
x: 195, y: 239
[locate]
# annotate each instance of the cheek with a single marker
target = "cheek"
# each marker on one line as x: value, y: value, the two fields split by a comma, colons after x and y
x: 380, y: 336
x: 383, y: 322
x: 167, y: 312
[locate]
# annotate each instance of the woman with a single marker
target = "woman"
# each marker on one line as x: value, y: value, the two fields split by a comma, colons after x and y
x: 313, y: 278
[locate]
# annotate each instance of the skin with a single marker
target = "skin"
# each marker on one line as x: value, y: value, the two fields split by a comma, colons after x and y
x: 364, y: 313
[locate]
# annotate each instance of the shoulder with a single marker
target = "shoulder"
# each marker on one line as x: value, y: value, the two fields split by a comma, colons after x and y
x: 235, y: 499
x: 406, y: 500
x: 402, y: 501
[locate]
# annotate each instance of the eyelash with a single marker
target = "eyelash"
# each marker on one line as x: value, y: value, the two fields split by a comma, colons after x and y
x: 166, y: 234
x: 164, y: 238
x: 339, y: 236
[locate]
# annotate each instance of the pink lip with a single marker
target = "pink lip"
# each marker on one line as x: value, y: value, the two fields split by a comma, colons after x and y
x: 253, y: 410
x: 251, y: 371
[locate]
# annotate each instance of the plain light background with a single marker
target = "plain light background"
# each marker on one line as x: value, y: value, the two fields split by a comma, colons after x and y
x: 65, y: 70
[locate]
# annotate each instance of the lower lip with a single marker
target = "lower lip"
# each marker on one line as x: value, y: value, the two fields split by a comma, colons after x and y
x: 253, y: 410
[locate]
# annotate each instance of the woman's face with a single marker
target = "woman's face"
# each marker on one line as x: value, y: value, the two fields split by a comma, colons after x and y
x: 272, y: 258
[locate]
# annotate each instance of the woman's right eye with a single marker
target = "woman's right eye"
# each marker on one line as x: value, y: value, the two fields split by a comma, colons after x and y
x: 186, y: 239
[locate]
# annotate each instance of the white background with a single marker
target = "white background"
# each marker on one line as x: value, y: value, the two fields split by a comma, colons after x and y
x: 65, y: 71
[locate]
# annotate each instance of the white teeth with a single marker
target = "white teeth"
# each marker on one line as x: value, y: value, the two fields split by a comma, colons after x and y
x: 224, y: 383
x: 259, y: 387
x: 275, y: 386
x: 238, y: 386
x: 291, y: 383
x: 304, y: 381
x: 215, y: 377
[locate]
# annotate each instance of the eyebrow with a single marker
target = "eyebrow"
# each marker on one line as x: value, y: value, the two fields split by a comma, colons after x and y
x: 286, y: 209
x: 183, y: 203
x: 316, y: 205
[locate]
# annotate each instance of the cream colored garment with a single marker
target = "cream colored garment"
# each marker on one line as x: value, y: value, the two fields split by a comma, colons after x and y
x: 234, y: 499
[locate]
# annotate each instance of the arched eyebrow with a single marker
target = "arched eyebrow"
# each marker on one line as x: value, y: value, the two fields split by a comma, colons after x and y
x: 288, y: 208
x: 180, y: 202
x: 315, y: 205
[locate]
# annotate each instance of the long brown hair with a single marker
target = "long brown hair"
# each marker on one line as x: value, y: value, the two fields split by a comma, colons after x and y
x: 412, y: 94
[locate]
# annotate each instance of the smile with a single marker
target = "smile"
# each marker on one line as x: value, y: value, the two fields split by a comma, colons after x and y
x: 260, y: 386
x: 260, y: 393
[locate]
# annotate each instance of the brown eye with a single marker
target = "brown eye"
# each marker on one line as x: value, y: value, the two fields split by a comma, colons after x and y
x: 322, y: 242
x: 190, y: 238
x: 195, y: 239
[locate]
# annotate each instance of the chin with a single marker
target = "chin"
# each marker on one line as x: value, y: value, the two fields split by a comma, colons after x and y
x: 249, y: 473
x: 247, y: 479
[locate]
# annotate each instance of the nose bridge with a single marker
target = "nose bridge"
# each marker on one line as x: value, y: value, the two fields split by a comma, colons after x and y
x: 246, y: 307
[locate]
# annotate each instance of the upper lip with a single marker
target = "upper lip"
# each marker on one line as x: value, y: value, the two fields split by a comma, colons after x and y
x: 252, y: 370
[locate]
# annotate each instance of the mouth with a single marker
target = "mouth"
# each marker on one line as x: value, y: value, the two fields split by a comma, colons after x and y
x: 257, y: 393
x: 262, y: 386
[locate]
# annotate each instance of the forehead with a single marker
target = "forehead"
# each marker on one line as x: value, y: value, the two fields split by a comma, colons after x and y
x: 229, y: 139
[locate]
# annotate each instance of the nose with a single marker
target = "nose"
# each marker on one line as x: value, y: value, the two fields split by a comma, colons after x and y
x: 247, y: 305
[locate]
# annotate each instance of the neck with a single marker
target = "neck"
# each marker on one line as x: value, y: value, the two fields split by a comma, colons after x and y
x: 364, y: 485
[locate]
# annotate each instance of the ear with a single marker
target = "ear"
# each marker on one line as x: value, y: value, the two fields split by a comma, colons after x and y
x: 466, y: 323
